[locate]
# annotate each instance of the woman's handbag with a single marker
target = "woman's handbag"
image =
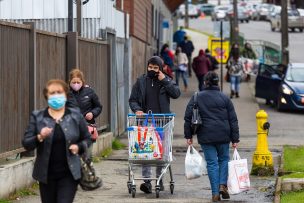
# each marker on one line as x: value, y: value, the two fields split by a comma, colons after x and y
x: 93, y: 131
x: 196, y: 120
x: 88, y: 180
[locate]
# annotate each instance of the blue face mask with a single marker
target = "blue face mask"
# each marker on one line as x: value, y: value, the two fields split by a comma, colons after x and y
x: 57, y: 101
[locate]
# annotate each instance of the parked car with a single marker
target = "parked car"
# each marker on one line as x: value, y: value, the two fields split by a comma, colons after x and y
x: 263, y: 11
x: 295, y: 21
x: 251, y: 9
x: 220, y: 13
x: 301, y: 11
x: 243, y: 14
x: 193, y: 11
x: 283, y: 86
x: 207, y: 9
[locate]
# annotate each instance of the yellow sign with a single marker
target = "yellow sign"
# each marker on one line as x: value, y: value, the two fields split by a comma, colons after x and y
x: 214, y: 45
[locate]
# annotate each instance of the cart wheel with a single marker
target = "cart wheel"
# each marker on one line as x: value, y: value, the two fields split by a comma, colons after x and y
x: 157, y: 190
x: 129, y: 187
x: 133, y: 190
x: 172, y: 188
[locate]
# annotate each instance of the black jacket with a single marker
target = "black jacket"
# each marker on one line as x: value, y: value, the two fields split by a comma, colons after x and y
x: 76, y: 132
x: 187, y: 47
x: 219, y: 120
x: 138, y: 95
x: 87, y: 101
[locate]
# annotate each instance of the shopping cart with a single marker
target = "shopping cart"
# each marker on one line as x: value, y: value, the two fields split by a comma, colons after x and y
x: 150, y: 143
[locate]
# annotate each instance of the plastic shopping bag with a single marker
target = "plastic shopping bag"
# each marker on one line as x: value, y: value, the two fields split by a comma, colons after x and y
x: 195, y: 164
x: 238, y: 176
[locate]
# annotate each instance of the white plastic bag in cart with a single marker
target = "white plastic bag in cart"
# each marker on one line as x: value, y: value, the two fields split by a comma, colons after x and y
x: 238, y: 176
x: 195, y: 164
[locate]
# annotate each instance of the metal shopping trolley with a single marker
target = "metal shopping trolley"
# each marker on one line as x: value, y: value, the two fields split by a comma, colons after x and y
x: 150, y: 143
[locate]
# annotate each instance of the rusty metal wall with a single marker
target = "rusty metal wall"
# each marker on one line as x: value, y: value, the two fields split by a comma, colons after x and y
x: 14, y: 83
x: 50, y: 61
x: 93, y: 61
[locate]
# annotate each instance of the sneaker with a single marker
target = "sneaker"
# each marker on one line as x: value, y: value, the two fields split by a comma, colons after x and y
x: 146, y: 187
x: 224, y: 192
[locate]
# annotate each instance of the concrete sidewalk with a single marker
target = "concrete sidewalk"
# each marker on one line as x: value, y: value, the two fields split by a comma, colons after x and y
x: 114, y: 170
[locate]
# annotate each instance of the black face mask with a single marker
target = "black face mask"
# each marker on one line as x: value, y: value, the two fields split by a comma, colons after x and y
x: 152, y: 74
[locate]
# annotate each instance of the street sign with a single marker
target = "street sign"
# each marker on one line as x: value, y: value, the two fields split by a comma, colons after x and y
x: 214, y: 45
x: 217, y: 29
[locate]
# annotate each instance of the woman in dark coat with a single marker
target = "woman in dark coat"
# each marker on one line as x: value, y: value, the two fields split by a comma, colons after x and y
x: 60, y: 135
x: 219, y: 128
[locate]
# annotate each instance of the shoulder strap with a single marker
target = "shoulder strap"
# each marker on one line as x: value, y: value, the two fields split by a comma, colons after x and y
x: 195, y: 99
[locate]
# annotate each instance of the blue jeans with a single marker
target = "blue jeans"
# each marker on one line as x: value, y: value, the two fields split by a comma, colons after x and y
x: 184, y: 76
x: 235, y: 83
x: 217, y: 158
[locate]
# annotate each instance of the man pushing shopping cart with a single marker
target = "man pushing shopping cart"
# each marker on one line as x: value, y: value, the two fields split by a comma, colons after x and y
x: 150, y: 93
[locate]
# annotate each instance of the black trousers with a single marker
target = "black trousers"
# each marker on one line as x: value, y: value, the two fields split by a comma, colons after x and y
x: 200, y: 82
x: 59, y: 191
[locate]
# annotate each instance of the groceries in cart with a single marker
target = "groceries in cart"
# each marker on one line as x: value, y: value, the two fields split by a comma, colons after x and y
x: 146, y: 143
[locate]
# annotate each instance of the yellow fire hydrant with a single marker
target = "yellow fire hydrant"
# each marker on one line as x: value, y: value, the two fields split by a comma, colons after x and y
x: 262, y: 163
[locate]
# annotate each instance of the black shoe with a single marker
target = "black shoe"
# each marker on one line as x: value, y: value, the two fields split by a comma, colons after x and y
x: 146, y: 187
x: 231, y: 94
x: 237, y: 95
x: 224, y: 192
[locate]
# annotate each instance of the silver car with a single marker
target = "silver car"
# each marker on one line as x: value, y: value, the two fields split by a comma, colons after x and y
x: 295, y: 21
x: 220, y: 13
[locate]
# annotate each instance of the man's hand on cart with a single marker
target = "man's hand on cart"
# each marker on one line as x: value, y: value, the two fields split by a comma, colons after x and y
x: 139, y: 113
x: 189, y: 141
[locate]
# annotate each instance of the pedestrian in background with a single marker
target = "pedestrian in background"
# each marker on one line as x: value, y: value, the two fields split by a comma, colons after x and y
x: 219, y: 128
x: 248, y: 53
x: 201, y: 65
x: 152, y: 92
x: 179, y: 35
x: 166, y: 55
x: 86, y: 99
x: 235, y: 71
x: 212, y: 59
x: 187, y: 48
x: 181, y: 63
x: 60, y: 135
x: 234, y: 53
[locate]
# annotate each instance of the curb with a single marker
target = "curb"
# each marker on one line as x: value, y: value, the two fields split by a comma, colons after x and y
x: 278, y: 187
x: 200, y: 32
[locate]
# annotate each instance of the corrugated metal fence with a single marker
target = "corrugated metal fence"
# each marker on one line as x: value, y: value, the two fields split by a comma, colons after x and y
x: 28, y: 59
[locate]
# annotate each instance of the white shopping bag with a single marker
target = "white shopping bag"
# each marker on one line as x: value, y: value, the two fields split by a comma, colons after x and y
x: 195, y: 164
x: 238, y: 176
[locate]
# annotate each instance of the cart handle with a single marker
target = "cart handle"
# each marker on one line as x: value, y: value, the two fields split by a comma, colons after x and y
x: 154, y: 114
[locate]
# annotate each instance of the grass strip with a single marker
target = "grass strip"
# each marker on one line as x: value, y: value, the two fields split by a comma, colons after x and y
x: 292, y: 197
x: 294, y: 159
x: 294, y: 175
x: 117, y: 145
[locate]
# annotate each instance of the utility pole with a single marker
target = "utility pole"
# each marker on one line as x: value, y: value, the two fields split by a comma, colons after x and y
x: 235, y: 22
x: 219, y: 2
x: 284, y: 33
x: 186, y: 14
x: 70, y: 15
x: 222, y: 55
x: 79, y: 16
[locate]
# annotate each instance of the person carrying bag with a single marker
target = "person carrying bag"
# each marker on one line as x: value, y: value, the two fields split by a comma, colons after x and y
x: 218, y: 128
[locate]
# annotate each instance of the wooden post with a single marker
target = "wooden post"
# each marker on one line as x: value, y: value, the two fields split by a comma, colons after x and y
x: 70, y: 15
x: 284, y: 33
x: 72, y: 52
x: 235, y: 22
x: 79, y: 16
x: 186, y: 14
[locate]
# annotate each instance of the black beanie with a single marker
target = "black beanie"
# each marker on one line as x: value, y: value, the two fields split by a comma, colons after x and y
x: 156, y: 60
